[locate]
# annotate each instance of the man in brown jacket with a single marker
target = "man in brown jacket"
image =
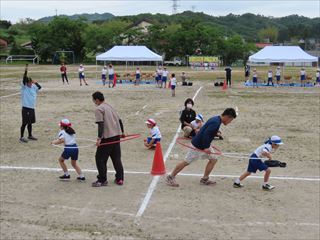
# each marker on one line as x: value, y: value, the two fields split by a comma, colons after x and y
x: 110, y: 129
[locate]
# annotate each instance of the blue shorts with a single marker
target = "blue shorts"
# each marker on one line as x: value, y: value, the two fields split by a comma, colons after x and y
x: 164, y: 79
x: 111, y: 77
x: 103, y: 77
x: 278, y: 78
x: 255, y: 79
x: 318, y: 79
x: 256, y: 164
x: 173, y: 87
x: 155, y: 140
x: 137, y: 76
x: 81, y: 75
x: 270, y: 79
x: 70, y: 152
x: 303, y: 77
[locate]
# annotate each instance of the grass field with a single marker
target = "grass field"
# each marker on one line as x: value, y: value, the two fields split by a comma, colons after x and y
x: 34, y: 204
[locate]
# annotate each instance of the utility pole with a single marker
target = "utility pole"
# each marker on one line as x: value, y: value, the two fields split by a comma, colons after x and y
x: 56, y: 12
x: 174, y: 6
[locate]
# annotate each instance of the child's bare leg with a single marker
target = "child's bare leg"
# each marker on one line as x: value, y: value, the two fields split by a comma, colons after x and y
x: 179, y: 168
x: 76, y: 167
x: 244, y: 175
x: 267, y: 175
x: 63, y: 165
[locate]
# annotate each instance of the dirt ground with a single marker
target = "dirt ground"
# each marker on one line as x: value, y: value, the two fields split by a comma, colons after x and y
x: 36, y: 205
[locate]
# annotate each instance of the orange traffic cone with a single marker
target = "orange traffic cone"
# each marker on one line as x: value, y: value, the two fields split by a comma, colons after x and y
x: 158, y: 167
x: 224, y: 85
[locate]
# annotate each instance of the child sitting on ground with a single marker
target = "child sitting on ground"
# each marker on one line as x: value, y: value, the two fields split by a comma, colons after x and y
x: 150, y: 142
x: 255, y: 162
x: 196, y: 125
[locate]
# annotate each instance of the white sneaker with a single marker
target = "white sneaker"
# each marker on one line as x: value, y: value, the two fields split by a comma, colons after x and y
x: 267, y: 187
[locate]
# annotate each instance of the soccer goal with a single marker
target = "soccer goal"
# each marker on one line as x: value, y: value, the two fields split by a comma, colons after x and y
x: 63, y: 57
x: 33, y: 58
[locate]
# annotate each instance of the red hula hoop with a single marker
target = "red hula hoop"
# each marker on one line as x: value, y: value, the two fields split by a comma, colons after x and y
x: 197, y: 149
x: 126, y: 138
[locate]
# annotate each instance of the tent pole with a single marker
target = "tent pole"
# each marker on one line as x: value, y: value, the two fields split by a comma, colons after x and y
x: 96, y: 70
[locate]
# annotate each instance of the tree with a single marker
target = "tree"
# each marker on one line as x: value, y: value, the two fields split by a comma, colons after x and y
x: 270, y: 33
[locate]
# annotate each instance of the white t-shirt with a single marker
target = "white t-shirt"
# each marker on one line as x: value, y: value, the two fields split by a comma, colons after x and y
x: 269, y: 74
x: 278, y: 73
x: 110, y: 71
x: 81, y: 69
x: 68, y: 139
x: 173, y: 81
x: 263, y: 148
x: 317, y: 74
x: 302, y: 72
x: 155, y: 132
x: 159, y: 71
x: 104, y: 71
x: 195, y: 124
x: 255, y: 74
x: 137, y: 71
x: 165, y: 73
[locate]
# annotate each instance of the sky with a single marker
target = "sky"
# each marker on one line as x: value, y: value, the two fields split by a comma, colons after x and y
x: 15, y: 10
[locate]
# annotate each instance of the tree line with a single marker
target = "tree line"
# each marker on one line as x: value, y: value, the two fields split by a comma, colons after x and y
x: 231, y: 37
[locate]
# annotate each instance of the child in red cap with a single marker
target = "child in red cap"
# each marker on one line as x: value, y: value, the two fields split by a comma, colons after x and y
x: 150, y: 142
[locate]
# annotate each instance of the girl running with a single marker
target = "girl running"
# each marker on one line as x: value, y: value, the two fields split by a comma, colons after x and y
x: 255, y: 162
x: 67, y: 137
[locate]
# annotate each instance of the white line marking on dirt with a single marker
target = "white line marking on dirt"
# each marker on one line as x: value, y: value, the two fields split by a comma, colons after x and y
x: 13, y: 94
x: 314, y: 179
x: 155, y: 179
x: 138, y: 112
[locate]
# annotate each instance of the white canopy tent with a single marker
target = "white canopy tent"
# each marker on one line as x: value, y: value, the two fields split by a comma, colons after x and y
x: 282, y: 54
x: 129, y: 54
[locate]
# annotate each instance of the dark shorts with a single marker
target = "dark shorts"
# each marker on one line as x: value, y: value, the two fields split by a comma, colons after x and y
x: 269, y: 79
x: 81, y: 75
x: 318, y: 79
x: 303, y: 77
x: 137, y: 76
x: 164, y: 79
x: 256, y: 164
x: 155, y: 140
x: 111, y: 77
x: 278, y: 78
x: 28, y: 115
x: 247, y: 74
x: 173, y: 87
x: 103, y: 77
x: 70, y: 152
x: 255, y: 79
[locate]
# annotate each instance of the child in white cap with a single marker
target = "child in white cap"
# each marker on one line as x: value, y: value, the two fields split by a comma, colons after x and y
x: 150, y: 142
x: 255, y: 162
x: 67, y: 137
x: 196, y: 124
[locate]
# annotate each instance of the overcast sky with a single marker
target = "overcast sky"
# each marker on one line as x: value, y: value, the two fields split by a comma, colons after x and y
x: 15, y: 10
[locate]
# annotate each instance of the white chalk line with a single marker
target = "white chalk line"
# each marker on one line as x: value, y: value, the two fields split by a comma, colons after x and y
x: 13, y: 94
x: 313, y: 179
x: 155, y: 179
x: 138, y: 112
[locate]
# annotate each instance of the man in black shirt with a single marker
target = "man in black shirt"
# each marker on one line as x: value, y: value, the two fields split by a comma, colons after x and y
x: 228, y: 75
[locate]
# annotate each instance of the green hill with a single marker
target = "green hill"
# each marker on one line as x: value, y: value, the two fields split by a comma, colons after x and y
x: 86, y: 16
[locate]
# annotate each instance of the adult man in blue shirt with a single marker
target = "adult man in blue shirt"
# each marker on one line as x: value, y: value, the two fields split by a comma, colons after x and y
x: 29, y: 91
x: 202, y: 142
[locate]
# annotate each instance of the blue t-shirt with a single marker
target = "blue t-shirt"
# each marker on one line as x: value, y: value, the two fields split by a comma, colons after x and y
x: 207, y: 133
x: 29, y: 95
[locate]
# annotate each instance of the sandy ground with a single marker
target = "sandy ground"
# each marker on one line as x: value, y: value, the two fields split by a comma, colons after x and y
x: 36, y: 205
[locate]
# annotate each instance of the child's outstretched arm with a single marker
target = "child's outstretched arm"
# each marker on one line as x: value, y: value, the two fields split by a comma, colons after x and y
x: 268, y: 155
x: 57, y: 141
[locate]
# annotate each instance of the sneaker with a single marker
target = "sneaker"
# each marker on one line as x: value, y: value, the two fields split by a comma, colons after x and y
x: 65, y: 177
x: 171, y: 181
x: 32, y: 138
x: 206, y: 181
x: 118, y: 182
x: 99, y: 184
x: 267, y: 187
x: 81, y: 178
x: 237, y: 185
x: 23, y: 140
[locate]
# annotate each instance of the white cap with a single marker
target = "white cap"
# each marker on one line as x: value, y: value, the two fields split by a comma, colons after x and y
x: 65, y: 123
x: 199, y: 117
x: 276, y: 140
x: 151, y: 121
